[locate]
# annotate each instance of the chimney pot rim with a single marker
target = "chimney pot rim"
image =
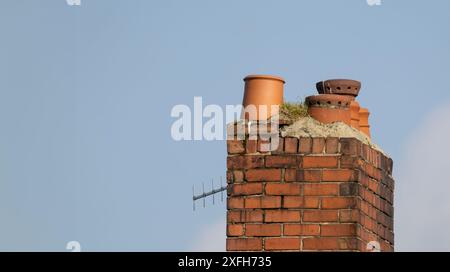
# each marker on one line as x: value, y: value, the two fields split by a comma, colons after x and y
x: 270, y: 77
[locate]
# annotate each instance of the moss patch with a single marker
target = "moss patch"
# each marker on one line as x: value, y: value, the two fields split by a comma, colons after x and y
x: 292, y: 111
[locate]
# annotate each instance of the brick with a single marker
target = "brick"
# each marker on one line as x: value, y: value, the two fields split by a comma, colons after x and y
x: 298, y: 202
x: 245, y: 189
x: 235, y: 229
x: 265, y: 202
x: 389, y: 209
x: 369, y: 196
x: 258, y: 230
x: 373, y: 211
x: 339, y: 175
x: 290, y: 175
x: 387, y: 164
x: 309, y: 175
x: 245, y: 216
x: 276, y: 144
x: 245, y: 162
x: 348, y: 189
x: 364, y: 207
x: 381, y: 231
x: 376, y: 158
x: 283, y: 189
x: 278, y: 149
x: 390, y: 166
x: 282, y: 161
x: 251, y: 146
x: 332, y: 145
x: 305, y: 146
x: 350, y: 146
x: 376, y: 173
x: 264, y: 146
x: 348, y: 162
x: 318, y: 145
x: 386, y: 247
x: 320, y: 216
x: 390, y: 236
x: 338, y: 202
x: 301, y: 229
x: 320, y: 189
x: 235, y: 147
x: 373, y: 185
x: 364, y: 181
x: 263, y: 129
x: 365, y: 151
x: 235, y: 131
x: 388, y: 181
x: 383, y: 162
x: 238, y: 176
x: 387, y: 194
x: 329, y: 243
x: 282, y: 244
x: 348, y: 216
x: 263, y: 175
x: 276, y: 216
x: 247, y: 244
x: 229, y: 176
x: 338, y: 230
x: 290, y: 145
x: 235, y: 203
x: 367, y: 236
x: 320, y: 162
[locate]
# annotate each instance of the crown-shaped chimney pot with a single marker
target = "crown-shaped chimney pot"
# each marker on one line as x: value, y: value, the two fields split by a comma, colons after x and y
x: 339, y: 86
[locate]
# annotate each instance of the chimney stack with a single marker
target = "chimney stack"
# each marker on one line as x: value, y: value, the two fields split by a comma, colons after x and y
x: 311, y: 193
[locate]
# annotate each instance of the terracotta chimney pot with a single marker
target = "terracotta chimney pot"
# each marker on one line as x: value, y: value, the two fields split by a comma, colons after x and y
x: 345, y: 87
x: 339, y: 86
x: 263, y: 90
x: 354, y: 114
x: 329, y: 108
x: 364, y: 121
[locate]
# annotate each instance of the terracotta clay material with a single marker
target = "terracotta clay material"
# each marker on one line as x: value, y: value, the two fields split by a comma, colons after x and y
x: 329, y: 108
x: 263, y: 90
x: 364, y: 121
x: 339, y: 86
x: 354, y: 114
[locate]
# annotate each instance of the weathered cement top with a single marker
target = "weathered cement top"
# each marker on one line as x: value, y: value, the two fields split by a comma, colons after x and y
x: 309, y: 127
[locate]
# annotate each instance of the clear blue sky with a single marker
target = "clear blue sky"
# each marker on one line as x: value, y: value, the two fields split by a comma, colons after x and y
x: 86, y: 94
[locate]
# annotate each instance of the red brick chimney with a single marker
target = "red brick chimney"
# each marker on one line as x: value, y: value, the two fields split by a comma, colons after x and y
x: 310, y: 194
